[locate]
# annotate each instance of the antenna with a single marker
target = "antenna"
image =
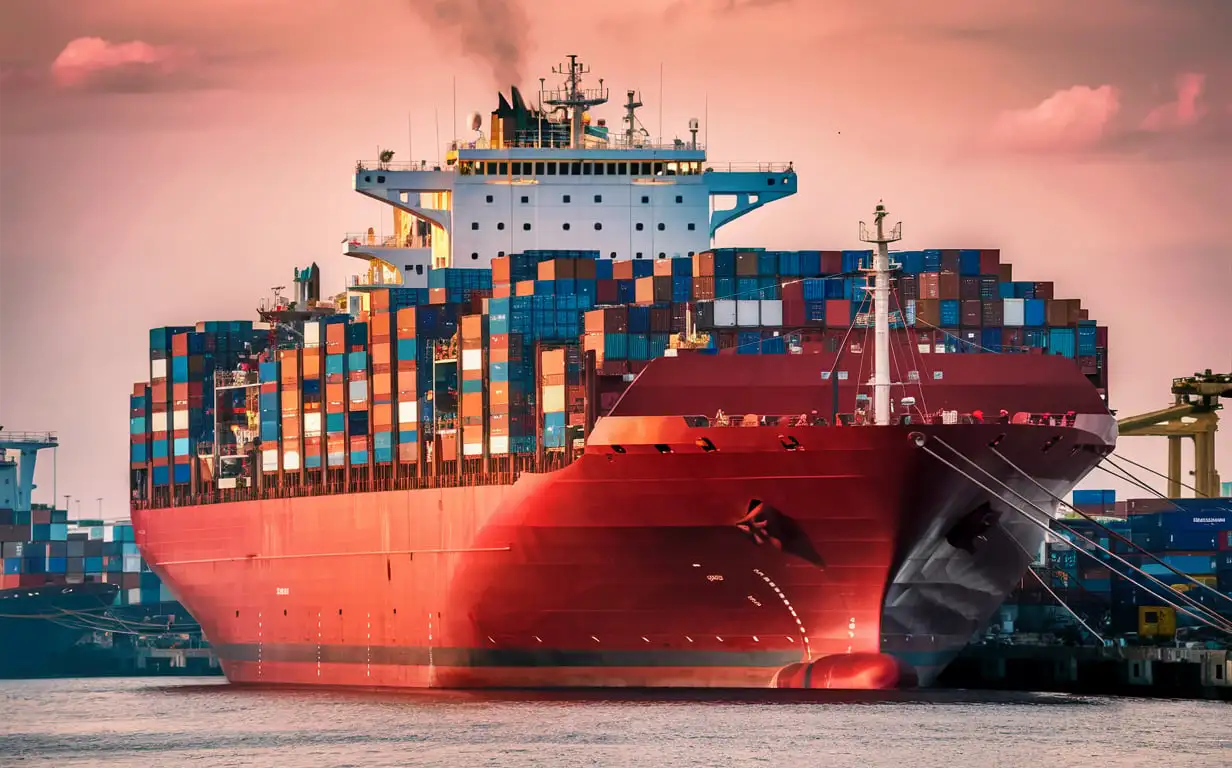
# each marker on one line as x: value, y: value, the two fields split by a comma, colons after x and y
x: 631, y: 107
x: 881, y: 309
x: 573, y: 98
x: 693, y: 130
x: 660, y: 139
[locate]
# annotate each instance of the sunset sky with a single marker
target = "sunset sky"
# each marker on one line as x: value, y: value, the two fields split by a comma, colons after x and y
x: 167, y: 162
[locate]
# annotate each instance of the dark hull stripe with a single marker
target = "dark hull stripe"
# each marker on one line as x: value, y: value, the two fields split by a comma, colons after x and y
x: 485, y: 657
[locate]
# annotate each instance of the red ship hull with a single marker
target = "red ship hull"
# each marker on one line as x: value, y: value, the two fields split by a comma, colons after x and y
x: 621, y: 571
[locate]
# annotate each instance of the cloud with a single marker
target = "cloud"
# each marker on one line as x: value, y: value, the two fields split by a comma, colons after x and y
x: 1076, y: 118
x: 1183, y: 112
x: 1091, y: 120
x: 92, y: 63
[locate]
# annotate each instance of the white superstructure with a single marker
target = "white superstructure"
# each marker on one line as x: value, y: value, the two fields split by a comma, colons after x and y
x: 547, y: 179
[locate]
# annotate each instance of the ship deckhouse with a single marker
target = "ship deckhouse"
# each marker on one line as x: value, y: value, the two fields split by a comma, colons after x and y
x: 550, y: 178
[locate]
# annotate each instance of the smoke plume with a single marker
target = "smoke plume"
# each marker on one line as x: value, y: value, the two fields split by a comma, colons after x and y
x: 493, y: 30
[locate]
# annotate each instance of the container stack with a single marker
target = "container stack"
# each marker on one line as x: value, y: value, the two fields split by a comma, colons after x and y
x: 561, y: 395
x: 271, y: 414
x: 56, y: 551
x: 161, y: 403
x: 406, y: 382
x: 474, y: 405
x: 335, y: 395
x: 358, y: 421
x: 312, y: 362
x: 290, y: 389
x: 381, y: 324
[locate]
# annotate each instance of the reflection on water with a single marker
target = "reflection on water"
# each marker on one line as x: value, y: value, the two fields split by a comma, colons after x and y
x: 140, y: 722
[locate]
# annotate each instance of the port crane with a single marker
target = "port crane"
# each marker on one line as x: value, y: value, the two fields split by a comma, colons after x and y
x: 1193, y: 414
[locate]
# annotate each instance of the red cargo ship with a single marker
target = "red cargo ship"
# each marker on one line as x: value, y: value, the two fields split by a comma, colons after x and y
x: 728, y: 520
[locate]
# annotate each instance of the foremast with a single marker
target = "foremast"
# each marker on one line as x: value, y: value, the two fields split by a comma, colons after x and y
x: 881, y: 309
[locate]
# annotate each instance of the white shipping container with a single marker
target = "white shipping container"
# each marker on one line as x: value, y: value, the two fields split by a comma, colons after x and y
x: 226, y: 482
x: 158, y: 369
x: 269, y: 460
x: 498, y: 445
x: 472, y: 449
x: 1014, y: 313
x: 312, y: 333
x: 724, y: 313
x: 180, y: 420
x: 132, y: 564
x: 158, y: 422
x: 290, y: 461
x: 312, y: 424
x: 771, y: 312
x: 554, y: 398
x: 408, y: 411
x: 748, y: 313
x: 472, y: 359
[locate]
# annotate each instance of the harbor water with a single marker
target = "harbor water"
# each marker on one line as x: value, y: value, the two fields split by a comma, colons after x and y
x: 206, y: 722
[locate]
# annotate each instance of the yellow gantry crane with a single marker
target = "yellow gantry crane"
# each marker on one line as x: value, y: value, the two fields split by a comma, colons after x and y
x: 1194, y: 414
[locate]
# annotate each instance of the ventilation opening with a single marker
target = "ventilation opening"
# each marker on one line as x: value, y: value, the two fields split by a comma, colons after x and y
x: 705, y: 444
x: 339, y: 611
x: 284, y: 611
x: 994, y: 443
x: 618, y: 448
x: 789, y: 442
x: 663, y: 448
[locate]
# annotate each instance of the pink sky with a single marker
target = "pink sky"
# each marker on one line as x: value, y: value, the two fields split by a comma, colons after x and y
x: 167, y: 163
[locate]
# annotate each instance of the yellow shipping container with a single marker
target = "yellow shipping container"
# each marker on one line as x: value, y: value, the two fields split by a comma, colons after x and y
x: 1156, y: 621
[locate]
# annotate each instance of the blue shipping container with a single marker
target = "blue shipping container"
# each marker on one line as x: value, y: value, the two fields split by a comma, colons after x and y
x: 969, y: 263
x: 1061, y: 341
x: 951, y: 313
x: 616, y: 346
x: 1033, y: 313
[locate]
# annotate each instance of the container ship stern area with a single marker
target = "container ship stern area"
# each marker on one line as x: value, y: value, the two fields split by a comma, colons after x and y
x: 668, y: 554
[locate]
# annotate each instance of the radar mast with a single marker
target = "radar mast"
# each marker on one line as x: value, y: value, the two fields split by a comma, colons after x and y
x: 575, y: 99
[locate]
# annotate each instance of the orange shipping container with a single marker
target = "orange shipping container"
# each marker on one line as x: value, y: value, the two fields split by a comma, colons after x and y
x: 383, y: 416
x: 746, y: 264
x: 653, y: 290
x: 472, y: 328
x: 406, y: 323
x: 501, y: 270
x: 525, y: 288
x: 382, y: 384
x: 703, y: 264
x: 381, y: 353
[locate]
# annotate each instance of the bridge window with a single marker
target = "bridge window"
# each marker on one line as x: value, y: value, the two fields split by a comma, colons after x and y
x: 419, y: 269
x: 658, y: 169
x: 662, y: 226
x: 600, y: 168
x: 478, y: 168
x: 575, y: 169
x: 551, y: 169
x: 622, y: 169
x: 679, y: 199
x: 564, y: 169
x: 525, y: 199
x: 489, y: 198
x: 526, y: 226
x: 565, y: 226
x: 598, y: 198
x: 565, y: 199
x: 516, y: 167
x: 692, y: 227
x: 380, y: 179
x: 639, y: 226
x: 474, y: 225
x: 598, y: 226
x: 503, y: 169
x: 491, y: 169
x: 770, y: 182
x: 586, y: 168
x: 538, y: 169
x: 645, y: 199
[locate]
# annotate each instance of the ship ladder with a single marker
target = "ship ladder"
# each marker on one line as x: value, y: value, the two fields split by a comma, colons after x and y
x: 1198, y: 612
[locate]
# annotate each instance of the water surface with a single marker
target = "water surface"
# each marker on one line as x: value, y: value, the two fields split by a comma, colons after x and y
x: 205, y: 722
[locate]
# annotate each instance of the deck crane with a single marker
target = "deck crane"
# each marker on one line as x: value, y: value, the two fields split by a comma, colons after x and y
x: 1194, y: 414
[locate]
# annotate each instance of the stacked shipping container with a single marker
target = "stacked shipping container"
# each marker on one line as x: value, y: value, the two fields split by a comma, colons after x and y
x: 398, y: 389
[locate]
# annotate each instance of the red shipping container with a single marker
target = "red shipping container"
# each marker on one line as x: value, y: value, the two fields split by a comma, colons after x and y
x: 992, y: 313
x: 607, y: 292
x: 746, y: 263
x: 1011, y: 339
x: 929, y: 285
x: 908, y: 287
x: 703, y: 288
x: 948, y: 285
x: 1044, y: 290
x: 990, y: 261
x: 971, y: 314
x: 557, y: 269
x: 927, y: 312
x: 794, y: 313
x: 1225, y: 540
x: 949, y: 261
x: 969, y: 288
x: 838, y: 313
x: 1005, y: 273
x: 831, y: 262
x: 1101, y: 336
